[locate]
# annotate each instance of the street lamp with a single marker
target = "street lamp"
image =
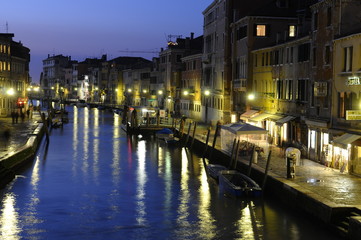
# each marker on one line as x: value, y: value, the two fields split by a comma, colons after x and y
x: 206, y: 93
x: 10, y: 91
x: 251, y: 97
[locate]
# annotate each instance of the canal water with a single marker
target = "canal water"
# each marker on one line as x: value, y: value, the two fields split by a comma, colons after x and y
x: 93, y: 182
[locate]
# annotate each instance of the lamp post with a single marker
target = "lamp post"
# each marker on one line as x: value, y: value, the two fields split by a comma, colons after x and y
x: 206, y: 93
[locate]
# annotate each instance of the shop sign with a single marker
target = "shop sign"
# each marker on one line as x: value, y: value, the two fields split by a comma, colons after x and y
x: 353, y: 114
x: 352, y: 81
x: 320, y: 89
x: 162, y: 113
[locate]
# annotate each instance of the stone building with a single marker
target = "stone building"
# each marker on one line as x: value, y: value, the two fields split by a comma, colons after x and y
x: 344, y: 150
x: 330, y: 18
x: 171, y: 67
x: 14, y: 74
x: 190, y: 94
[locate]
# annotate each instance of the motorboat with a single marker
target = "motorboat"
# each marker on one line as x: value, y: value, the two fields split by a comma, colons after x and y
x: 238, y: 184
x: 167, y: 135
x: 214, y: 170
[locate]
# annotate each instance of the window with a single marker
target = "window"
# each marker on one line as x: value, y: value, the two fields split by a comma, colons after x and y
x: 292, y: 31
x: 260, y: 30
x: 304, y: 52
x: 241, y: 32
x: 315, y: 21
x: 327, y: 55
x: 314, y: 61
x: 329, y: 16
x: 348, y: 59
x: 302, y: 90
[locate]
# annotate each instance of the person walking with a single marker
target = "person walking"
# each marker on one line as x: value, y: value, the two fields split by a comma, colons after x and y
x: 13, y: 116
x: 16, y: 116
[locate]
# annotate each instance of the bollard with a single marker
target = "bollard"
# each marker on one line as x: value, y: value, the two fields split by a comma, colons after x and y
x: 288, y: 166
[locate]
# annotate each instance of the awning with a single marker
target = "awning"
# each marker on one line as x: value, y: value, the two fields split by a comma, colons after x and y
x: 346, y: 139
x: 275, y: 117
x: 249, y: 113
x: 284, y: 120
x: 260, y: 117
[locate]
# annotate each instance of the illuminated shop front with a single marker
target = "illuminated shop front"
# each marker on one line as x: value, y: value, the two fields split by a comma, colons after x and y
x: 346, y: 153
x: 318, y: 141
x: 268, y: 122
x: 284, y: 130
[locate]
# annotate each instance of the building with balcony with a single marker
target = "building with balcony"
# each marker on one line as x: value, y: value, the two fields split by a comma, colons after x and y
x: 330, y: 19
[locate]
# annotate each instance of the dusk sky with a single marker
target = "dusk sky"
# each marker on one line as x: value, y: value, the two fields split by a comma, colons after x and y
x: 90, y: 28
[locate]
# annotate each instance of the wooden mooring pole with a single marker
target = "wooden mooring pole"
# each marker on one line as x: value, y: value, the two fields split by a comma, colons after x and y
x: 189, y: 130
x: 194, y: 133
x: 43, y: 119
x: 206, y: 147
x: 266, y: 171
x: 236, y: 157
x: 215, y: 138
x: 232, y: 152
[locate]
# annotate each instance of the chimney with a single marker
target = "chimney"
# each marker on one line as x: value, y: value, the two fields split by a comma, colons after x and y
x: 192, y: 35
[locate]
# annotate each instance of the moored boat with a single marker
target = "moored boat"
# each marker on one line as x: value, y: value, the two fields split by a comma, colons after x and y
x: 214, y: 170
x: 238, y: 184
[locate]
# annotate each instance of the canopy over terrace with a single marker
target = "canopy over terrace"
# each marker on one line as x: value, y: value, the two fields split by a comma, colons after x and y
x: 244, y: 132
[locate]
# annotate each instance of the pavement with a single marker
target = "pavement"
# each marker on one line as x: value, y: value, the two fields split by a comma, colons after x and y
x: 15, y: 135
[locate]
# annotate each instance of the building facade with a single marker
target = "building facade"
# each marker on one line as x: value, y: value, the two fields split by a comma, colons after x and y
x: 14, y: 74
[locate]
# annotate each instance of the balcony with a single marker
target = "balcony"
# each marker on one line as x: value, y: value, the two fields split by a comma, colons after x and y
x: 240, y: 84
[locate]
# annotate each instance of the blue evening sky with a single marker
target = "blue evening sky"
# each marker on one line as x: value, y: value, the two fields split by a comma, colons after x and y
x: 90, y: 28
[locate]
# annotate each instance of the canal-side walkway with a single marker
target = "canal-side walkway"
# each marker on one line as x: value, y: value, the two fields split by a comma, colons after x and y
x: 15, y: 135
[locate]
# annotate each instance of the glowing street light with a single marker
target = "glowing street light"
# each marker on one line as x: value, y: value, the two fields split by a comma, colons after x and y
x: 251, y: 97
x: 185, y: 93
x: 10, y: 91
x: 207, y: 92
x: 160, y: 92
x: 129, y: 90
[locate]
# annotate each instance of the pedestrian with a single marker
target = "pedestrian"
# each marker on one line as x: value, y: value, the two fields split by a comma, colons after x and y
x: 28, y: 112
x: 13, y: 115
x: 16, y: 116
x: 22, y: 115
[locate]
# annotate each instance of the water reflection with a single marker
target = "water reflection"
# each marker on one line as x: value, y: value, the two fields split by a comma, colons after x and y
x: 207, y: 227
x: 141, y: 180
x: 75, y: 140
x: 85, y: 149
x: 116, y: 153
x: 95, y: 147
x: 9, y: 228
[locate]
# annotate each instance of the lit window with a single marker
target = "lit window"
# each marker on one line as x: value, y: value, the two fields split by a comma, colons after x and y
x: 261, y: 30
x: 292, y: 31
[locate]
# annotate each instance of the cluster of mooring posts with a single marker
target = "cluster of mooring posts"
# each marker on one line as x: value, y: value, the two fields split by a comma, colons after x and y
x: 131, y: 126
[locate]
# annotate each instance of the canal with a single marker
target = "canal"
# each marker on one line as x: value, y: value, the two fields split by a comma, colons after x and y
x: 93, y: 182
